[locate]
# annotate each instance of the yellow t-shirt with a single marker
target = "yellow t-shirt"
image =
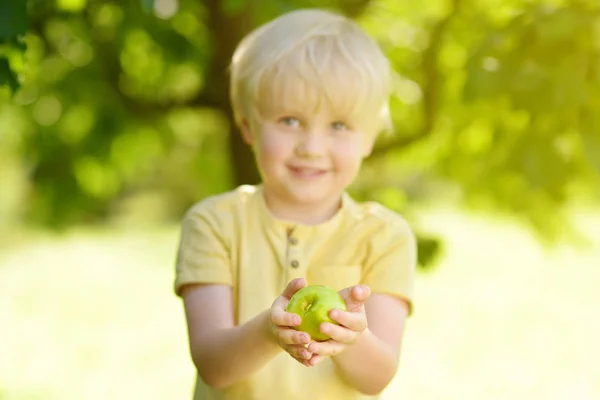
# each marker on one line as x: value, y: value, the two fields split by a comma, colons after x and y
x: 233, y: 239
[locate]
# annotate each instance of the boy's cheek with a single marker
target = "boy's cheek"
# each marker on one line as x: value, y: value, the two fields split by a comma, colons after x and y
x: 274, y: 149
x: 270, y: 156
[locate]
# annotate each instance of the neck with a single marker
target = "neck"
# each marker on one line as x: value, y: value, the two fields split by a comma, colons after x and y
x: 306, y: 214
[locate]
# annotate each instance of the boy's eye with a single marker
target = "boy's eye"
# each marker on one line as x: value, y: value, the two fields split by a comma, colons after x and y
x: 290, y: 121
x: 339, y: 126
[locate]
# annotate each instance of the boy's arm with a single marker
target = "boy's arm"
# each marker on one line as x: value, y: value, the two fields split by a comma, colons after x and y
x: 372, y: 361
x: 222, y: 352
x: 370, y: 364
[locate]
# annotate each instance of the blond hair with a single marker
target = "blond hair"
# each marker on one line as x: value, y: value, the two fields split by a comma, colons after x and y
x: 306, y: 57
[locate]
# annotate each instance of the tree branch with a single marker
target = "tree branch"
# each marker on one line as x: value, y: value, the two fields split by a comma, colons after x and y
x: 354, y: 8
x: 228, y: 30
x: 430, y: 86
x: 396, y: 143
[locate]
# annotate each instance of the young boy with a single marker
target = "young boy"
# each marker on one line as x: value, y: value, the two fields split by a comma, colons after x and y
x: 309, y: 92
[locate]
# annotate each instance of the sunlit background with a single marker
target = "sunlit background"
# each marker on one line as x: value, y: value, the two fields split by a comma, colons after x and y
x: 114, y: 119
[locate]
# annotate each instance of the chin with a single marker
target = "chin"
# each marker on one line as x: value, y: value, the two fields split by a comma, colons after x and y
x: 306, y: 198
x: 310, y: 196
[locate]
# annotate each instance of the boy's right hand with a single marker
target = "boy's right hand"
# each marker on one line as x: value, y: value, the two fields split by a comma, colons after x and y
x: 292, y: 341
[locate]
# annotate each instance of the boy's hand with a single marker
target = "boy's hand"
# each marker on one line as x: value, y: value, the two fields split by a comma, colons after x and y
x: 352, y: 324
x: 292, y: 341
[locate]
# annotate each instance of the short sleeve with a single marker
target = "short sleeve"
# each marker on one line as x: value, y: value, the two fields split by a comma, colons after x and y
x: 202, y: 256
x: 390, y: 267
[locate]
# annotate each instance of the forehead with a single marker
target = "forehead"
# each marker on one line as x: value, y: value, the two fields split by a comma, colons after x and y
x: 339, y: 95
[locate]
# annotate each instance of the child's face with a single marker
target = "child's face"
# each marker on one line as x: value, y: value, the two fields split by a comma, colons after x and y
x: 307, y: 158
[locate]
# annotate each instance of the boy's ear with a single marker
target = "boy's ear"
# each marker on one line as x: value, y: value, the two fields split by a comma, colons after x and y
x: 246, y: 132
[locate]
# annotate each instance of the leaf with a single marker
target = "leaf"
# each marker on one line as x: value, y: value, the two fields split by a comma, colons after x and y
x: 147, y: 5
x: 71, y: 5
x: 14, y: 44
x: 13, y: 19
x: 7, y: 76
x: 428, y: 250
x: 590, y: 136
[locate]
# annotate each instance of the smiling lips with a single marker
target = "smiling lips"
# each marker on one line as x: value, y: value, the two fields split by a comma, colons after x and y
x: 307, y: 172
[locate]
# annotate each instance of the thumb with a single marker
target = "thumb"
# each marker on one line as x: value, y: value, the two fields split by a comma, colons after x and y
x: 356, y: 295
x: 293, y: 286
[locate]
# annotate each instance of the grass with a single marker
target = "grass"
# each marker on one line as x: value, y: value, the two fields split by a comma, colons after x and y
x: 92, y: 316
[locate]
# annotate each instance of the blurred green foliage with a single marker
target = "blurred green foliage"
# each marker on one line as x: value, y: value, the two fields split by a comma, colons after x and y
x: 13, y: 26
x: 121, y: 106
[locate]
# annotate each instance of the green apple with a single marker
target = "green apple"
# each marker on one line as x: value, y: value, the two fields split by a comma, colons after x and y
x: 313, y: 304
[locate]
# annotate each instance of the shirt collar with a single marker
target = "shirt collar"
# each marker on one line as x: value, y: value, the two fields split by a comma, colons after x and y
x: 278, y: 225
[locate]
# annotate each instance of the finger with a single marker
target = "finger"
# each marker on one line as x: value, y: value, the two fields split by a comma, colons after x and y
x: 280, y: 317
x: 361, y: 293
x: 326, y: 348
x: 298, y: 351
x: 314, y: 360
x: 355, y: 296
x: 291, y: 336
x: 339, y: 333
x: 354, y: 321
x: 293, y: 287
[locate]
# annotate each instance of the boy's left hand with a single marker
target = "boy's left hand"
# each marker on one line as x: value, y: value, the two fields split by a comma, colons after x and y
x: 352, y: 324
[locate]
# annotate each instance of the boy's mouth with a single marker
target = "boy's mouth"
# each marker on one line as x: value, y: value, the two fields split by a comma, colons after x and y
x: 307, y: 172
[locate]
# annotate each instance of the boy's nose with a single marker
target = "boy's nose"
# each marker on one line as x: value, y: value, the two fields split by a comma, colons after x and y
x: 311, y: 146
